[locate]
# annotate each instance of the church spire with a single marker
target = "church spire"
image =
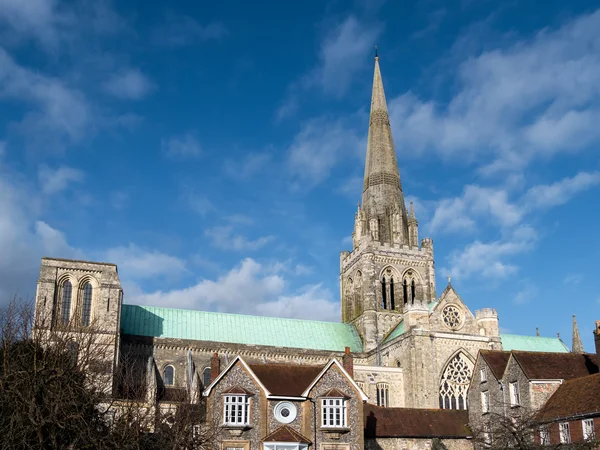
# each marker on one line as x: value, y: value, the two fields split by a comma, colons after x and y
x: 382, y: 190
x: 577, y: 346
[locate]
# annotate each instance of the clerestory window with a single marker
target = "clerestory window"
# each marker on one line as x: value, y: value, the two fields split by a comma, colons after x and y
x: 65, y: 309
x: 86, y: 307
x: 236, y: 410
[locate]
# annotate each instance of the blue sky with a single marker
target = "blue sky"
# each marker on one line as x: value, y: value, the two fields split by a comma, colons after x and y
x: 214, y: 150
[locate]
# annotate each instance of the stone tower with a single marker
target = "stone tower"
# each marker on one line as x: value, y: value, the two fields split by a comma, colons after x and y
x: 386, y: 277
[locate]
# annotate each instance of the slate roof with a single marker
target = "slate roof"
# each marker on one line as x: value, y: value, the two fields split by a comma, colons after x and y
x: 580, y: 396
x: 174, y: 323
x: 409, y: 422
x: 286, y: 434
x: 553, y: 366
x: 496, y: 361
x: 286, y: 379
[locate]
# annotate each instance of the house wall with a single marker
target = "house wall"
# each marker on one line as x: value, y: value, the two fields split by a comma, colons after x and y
x: 576, y: 427
x: 415, y: 444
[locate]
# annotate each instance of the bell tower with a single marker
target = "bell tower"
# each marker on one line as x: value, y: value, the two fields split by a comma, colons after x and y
x: 387, y: 277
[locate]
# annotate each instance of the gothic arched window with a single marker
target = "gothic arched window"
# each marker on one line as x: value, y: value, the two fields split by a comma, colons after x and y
x: 169, y: 376
x: 455, y: 382
x: 411, y: 287
x: 358, y: 295
x: 349, y: 294
x: 392, y: 302
x: 65, y: 307
x: 86, y: 307
x: 383, y: 294
x: 206, y: 376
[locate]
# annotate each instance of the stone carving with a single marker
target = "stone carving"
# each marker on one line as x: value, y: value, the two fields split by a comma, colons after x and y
x: 452, y: 317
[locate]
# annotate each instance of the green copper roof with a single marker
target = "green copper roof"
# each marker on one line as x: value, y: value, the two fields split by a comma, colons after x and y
x: 532, y: 343
x: 238, y: 328
x: 397, y: 331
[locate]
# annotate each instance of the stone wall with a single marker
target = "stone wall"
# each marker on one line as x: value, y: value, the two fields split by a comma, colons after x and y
x: 400, y: 443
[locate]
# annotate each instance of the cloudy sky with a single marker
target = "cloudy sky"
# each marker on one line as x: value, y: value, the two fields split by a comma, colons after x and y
x: 214, y: 150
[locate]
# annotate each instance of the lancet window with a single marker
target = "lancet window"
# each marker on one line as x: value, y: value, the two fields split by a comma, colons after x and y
x: 65, y: 307
x: 410, y: 287
x: 388, y: 295
x: 358, y: 292
x: 455, y: 382
x: 349, y: 297
x: 86, y: 310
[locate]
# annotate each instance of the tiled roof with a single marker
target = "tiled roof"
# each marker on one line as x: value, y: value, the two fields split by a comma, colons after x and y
x: 286, y: 434
x: 579, y: 396
x: 238, y: 329
x: 532, y: 343
x: 408, y: 422
x: 554, y: 366
x: 286, y: 379
x: 496, y: 361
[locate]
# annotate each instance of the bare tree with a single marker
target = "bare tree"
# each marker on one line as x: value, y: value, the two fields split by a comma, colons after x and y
x: 59, y: 390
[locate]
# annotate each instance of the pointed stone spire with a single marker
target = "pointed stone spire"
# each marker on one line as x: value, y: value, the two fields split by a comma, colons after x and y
x: 382, y: 190
x: 577, y: 346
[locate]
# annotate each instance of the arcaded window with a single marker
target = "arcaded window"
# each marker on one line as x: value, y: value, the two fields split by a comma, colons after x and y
x: 388, y: 295
x: 65, y: 309
x: 383, y: 395
x: 86, y: 307
x: 206, y: 376
x: 455, y: 382
x: 169, y: 376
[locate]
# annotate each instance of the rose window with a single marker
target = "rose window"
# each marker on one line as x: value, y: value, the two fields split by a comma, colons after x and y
x: 452, y: 317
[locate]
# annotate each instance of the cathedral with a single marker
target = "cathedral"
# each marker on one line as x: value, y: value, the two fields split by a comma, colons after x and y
x: 398, y: 345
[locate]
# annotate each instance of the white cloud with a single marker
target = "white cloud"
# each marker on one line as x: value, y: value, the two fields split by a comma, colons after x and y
x: 489, y: 259
x: 200, y: 204
x: 526, y: 295
x: 137, y: 262
x: 560, y: 192
x: 55, y: 180
x: 320, y: 146
x: 573, y: 278
x: 246, y: 167
x: 60, y: 111
x: 249, y: 288
x: 225, y: 238
x: 181, y: 30
x: 129, y: 84
x: 533, y: 99
x: 182, y: 147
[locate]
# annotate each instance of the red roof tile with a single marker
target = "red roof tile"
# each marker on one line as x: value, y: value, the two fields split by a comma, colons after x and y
x: 552, y: 366
x: 580, y: 396
x: 286, y: 379
x: 496, y: 361
x: 286, y: 434
x: 409, y: 422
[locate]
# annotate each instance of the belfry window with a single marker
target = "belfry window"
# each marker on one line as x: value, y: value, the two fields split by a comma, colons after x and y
x: 65, y: 310
x: 383, y: 294
x: 405, y: 291
x: 455, y: 382
x: 86, y: 309
x: 392, y: 301
x: 412, y: 291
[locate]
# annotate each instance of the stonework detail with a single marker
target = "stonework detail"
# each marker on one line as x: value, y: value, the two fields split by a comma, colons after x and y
x: 455, y: 383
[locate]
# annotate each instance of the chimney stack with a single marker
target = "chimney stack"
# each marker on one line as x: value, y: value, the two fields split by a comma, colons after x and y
x: 215, y: 367
x: 348, y: 362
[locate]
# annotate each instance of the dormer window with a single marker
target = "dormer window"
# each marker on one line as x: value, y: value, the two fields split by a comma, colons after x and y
x: 334, y: 413
x: 236, y: 410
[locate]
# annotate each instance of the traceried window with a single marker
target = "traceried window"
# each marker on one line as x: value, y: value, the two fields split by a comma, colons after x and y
x: 455, y: 382
x: 206, y: 376
x: 333, y: 413
x: 383, y: 395
x: 564, y: 433
x: 589, y: 434
x: 65, y: 308
x: 452, y: 317
x: 86, y: 307
x: 236, y: 410
x: 388, y: 294
x: 513, y: 389
x: 544, y: 435
x: 169, y: 376
x: 485, y: 402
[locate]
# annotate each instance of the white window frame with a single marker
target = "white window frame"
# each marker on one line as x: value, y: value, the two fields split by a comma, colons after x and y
x: 544, y: 435
x: 284, y: 446
x: 485, y: 401
x: 334, y: 409
x: 564, y: 431
x: 483, y: 374
x: 236, y: 410
x: 590, y: 434
x: 513, y: 390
